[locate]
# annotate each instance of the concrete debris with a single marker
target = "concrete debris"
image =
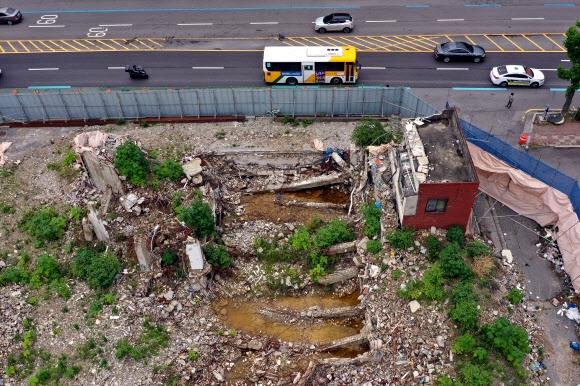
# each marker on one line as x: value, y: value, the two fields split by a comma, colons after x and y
x: 194, y: 254
x: 341, y: 248
x: 97, y: 225
x: 314, y: 182
x: 193, y: 168
x: 414, y: 306
x: 102, y: 175
x: 142, y: 251
x: 507, y: 254
x: 339, y: 276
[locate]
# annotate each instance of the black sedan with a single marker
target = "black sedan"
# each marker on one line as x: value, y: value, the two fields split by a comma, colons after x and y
x: 10, y: 16
x: 459, y: 51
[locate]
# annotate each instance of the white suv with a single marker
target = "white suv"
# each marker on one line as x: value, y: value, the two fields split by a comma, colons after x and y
x: 334, y: 22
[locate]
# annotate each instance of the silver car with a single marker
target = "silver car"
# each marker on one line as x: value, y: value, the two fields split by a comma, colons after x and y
x: 334, y: 22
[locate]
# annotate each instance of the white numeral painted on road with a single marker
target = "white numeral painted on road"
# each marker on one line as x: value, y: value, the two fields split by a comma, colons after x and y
x: 97, y: 32
x: 47, y: 19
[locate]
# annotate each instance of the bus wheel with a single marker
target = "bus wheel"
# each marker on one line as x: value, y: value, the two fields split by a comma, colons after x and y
x: 336, y: 81
x: 291, y: 81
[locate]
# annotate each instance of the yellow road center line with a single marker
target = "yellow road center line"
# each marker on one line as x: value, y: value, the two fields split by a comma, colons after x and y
x: 105, y: 44
x: 35, y: 46
x: 44, y: 44
x: 80, y: 44
x: 23, y: 46
x: 534, y: 43
x: 547, y: 37
x: 143, y: 44
x: 11, y: 46
x: 70, y: 45
x: 120, y: 45
x: 491, y: 40
x: 154, y: 42
x: 509, y: 40
x: 381, y: 42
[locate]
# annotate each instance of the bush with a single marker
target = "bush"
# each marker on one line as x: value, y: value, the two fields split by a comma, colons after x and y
x: 452, y: 262
x: 433, y: 283
x: 47, y: 270
x: 515, y: 296
x: 481, y: 355
x: 374, y: 246
x: 464, y: 344
x: 477, y: 248
x: 456, y: 234
x: 370, y: 131
x: 131, y: 163
x: 306, y: 122
x: 465, y: 314
x: 13, y: 275
x: 372, y: 216
x: 151, y: 339
x: 511, y: 341
x: 473, y: 375
x: 401, y: 238
x: 168, y: 169
x: 433, y: 246
x: 168, y: 257
x: 43, y: 225
x: 199, y: 217
x: 411, y: 290
x: 218, y: 256
x: 301, y: 240
x: 335, y: 232
x: 98, y: 270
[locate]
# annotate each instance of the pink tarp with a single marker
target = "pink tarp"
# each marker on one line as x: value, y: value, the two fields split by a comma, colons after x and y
x: 534, y: 199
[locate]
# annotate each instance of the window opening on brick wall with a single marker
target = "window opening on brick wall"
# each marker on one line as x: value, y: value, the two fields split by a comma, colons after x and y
x: 436, y: 206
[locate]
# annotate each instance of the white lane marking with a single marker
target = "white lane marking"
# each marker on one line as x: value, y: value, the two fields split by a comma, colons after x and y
x: 115, y: 25
x: 548, y: 69
x: 565, y: 60
x: 266, y: 22
x: 450, y: 19
x: 453, y: 68
x: 207, y: 68
x: 380, y: 21
x: 43, y: 26
x: 527, y: 18
x: 195, y: 24
x: 373, y: 68
x: 115, y: 68
x: 44, y: 69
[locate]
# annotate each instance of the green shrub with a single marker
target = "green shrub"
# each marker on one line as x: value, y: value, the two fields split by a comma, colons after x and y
x: 168, y: 169
x: 177, y: 202
x: 465, y: 314
x: 372, y: 216
x: 120, y: 121
x: 515, y: 296
x: 464, y: 344
x: 199, y: 217
x: 370, y: 131
x: 144, y: 124
x: 70, y: 157
x: 335, y: 232
x: 43, y: 225
x: 60, y: 287
x: 273, y: 251
x: 6, y: 209
x: 433, y: 283
x: 481, y: 355
x: 396, y: 274
x: 109, y: 299
x: 401, y: 238
x: 433, y: 246
x: 218, y: 256
x: 192, y: 355
x: 374, y: 246
x: 77, y: 213
x: 152, y: 338
x: 47, y: 270
x: 98, y: 270
x: 452, y: 262
x: 306, y: 122
x: 14, y: 275
x: 168, y: 257
x: 445, y: 381
x: 412, y: 289
x: 477, y: 248
x: 474, y: 375
x: 456, y: 234
x: 10, y: 371
x: 287, y: 119
x: 131, y: 163
x: 301, y: 240
x: 33, y: 381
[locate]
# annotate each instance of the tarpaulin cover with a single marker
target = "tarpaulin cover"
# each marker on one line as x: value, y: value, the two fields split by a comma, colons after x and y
x: 532, y: 198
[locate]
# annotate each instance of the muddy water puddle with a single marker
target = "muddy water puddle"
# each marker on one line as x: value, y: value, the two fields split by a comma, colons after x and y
x: 268, y: 207
x: 245, y: 315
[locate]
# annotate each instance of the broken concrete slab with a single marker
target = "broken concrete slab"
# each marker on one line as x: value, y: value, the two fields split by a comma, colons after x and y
x: 143, y: 254
x: 314, y: 182
x: 339, y: 276
x: 193, y: 168
x: 87, y: 230
x: 507, y: 254
x: 195, y: 255
x: 339, y: 161
x: 337, y: 249
x: 103, y: 176
x: 97, y: 225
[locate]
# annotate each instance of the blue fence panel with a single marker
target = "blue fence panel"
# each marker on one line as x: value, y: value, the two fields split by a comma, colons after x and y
x: 524, y: 162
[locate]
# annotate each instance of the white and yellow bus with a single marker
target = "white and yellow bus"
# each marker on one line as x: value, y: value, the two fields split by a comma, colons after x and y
x: 316, y: 65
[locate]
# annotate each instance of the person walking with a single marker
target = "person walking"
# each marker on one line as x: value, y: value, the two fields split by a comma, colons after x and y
x: 510, y: 101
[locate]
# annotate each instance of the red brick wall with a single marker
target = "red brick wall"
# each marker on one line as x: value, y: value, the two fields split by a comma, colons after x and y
x: 460, y: 196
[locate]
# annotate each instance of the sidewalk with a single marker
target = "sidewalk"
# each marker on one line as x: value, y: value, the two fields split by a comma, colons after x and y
x: 547, y: 134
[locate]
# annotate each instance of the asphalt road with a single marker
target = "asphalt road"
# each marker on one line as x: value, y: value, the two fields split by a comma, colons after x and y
x: 227, y: 18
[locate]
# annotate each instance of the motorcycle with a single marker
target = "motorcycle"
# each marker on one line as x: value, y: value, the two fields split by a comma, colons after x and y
x: 136, y: 72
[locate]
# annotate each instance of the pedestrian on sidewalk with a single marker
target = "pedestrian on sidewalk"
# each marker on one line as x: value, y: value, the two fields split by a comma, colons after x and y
x: 510, y: 101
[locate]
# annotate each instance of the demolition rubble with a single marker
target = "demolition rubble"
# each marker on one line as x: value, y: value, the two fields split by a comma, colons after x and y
x: 254, y: 192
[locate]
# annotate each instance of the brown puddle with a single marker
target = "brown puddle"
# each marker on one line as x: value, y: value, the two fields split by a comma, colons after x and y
x: 265, y: 206
x: 245, y: 316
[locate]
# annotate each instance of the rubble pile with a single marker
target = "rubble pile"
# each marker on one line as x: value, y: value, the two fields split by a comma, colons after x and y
x: 400, y: 342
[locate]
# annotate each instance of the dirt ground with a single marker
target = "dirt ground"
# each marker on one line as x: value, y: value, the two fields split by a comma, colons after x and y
x: 202, y: 313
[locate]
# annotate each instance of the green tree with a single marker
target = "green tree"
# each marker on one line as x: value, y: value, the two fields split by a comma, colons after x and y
x: 572, y: 44
x: 199, y: 217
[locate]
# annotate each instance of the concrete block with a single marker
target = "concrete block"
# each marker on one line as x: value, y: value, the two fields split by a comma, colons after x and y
x: 142, y: 251
x: 195, y: 255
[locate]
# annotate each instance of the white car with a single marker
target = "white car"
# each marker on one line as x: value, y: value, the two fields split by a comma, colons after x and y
x: 516, y: 76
